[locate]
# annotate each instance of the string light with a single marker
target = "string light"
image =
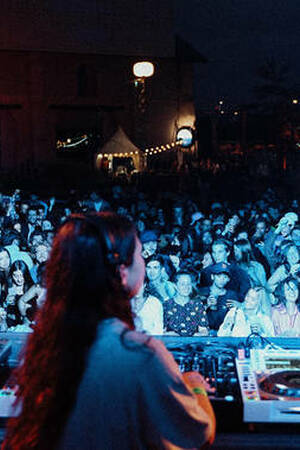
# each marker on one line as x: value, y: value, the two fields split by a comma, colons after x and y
x: 72, y: 142
x: 117, y: 155
x: 161, y: 148
x: 148, y: 151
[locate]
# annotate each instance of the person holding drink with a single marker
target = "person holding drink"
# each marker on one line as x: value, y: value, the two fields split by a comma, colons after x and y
x: 247, y: 317
x: 217, y: 298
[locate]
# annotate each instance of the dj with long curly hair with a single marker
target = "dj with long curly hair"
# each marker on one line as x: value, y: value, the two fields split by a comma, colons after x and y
x: 87, y: 380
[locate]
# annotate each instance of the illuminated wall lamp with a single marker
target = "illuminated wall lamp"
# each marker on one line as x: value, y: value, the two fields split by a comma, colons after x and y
x: 143, y: 69
x: 186, y: 136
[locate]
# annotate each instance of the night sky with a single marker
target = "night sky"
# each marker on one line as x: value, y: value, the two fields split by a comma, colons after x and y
x: 238, y: 36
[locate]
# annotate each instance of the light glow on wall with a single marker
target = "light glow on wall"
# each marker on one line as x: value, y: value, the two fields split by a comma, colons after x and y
x: 143, y: 69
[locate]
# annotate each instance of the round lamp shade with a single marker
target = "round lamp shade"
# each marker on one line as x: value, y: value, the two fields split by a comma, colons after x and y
x: 186, y: 136
x: 143, y: 69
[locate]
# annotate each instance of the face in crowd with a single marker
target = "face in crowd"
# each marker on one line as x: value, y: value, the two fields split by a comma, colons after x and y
x: 291, y: 291
x: 252, y: 300
x: 295, y: 235
x: 207, y: 238
x: 286, y: 224
x: 47, y: 225
x: 32, y: 216
x: 207, y: 260
x: 153, y: 270
x: 220, y: 280
x: 149, y: 248
x: 220, y: 253
x: 287, y: 229
x: 18, y: 278
x: 184, y: 285
x: 24, y: 208
x: 4, y: 261
x: 175, y: 260
x: 234, y: 220
x: 292, y: 255
x: 206, y: 225
x: 237, y: 253
x: 41, y: 253
x: 260, y: 229
x: 36, y: 239
x: 40, y: 214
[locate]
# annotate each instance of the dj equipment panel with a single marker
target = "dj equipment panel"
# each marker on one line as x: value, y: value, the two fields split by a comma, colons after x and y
x: 255, y: 392
x: 270, y: 385
x: 258, y: 381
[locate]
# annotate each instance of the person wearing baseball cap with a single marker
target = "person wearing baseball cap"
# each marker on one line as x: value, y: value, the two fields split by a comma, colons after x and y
x: 239, y: 280
x: 221, y: 267
x: 149, y: 240
x: 217, y: 297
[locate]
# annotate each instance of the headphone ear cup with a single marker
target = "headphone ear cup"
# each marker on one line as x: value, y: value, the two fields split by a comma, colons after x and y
x: 113, y: 257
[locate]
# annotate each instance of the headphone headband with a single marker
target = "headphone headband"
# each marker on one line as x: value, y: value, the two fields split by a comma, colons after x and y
x: 112, y: 256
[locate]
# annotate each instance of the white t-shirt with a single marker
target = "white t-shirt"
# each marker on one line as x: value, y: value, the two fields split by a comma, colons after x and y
x: 150, y: 317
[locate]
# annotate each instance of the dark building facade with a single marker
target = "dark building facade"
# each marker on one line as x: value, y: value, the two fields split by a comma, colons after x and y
x: 66, y: 67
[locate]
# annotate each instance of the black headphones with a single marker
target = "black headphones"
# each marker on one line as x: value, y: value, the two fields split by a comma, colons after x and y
x: 112, y: 255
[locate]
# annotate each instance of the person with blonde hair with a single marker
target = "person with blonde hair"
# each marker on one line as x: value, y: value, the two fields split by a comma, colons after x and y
x: 247, y: 318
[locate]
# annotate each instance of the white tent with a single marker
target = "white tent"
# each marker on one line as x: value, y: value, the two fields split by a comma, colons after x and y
x: 121, y: 146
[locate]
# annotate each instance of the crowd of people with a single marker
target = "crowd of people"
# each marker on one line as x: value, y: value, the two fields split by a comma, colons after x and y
x: 224, y: 270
